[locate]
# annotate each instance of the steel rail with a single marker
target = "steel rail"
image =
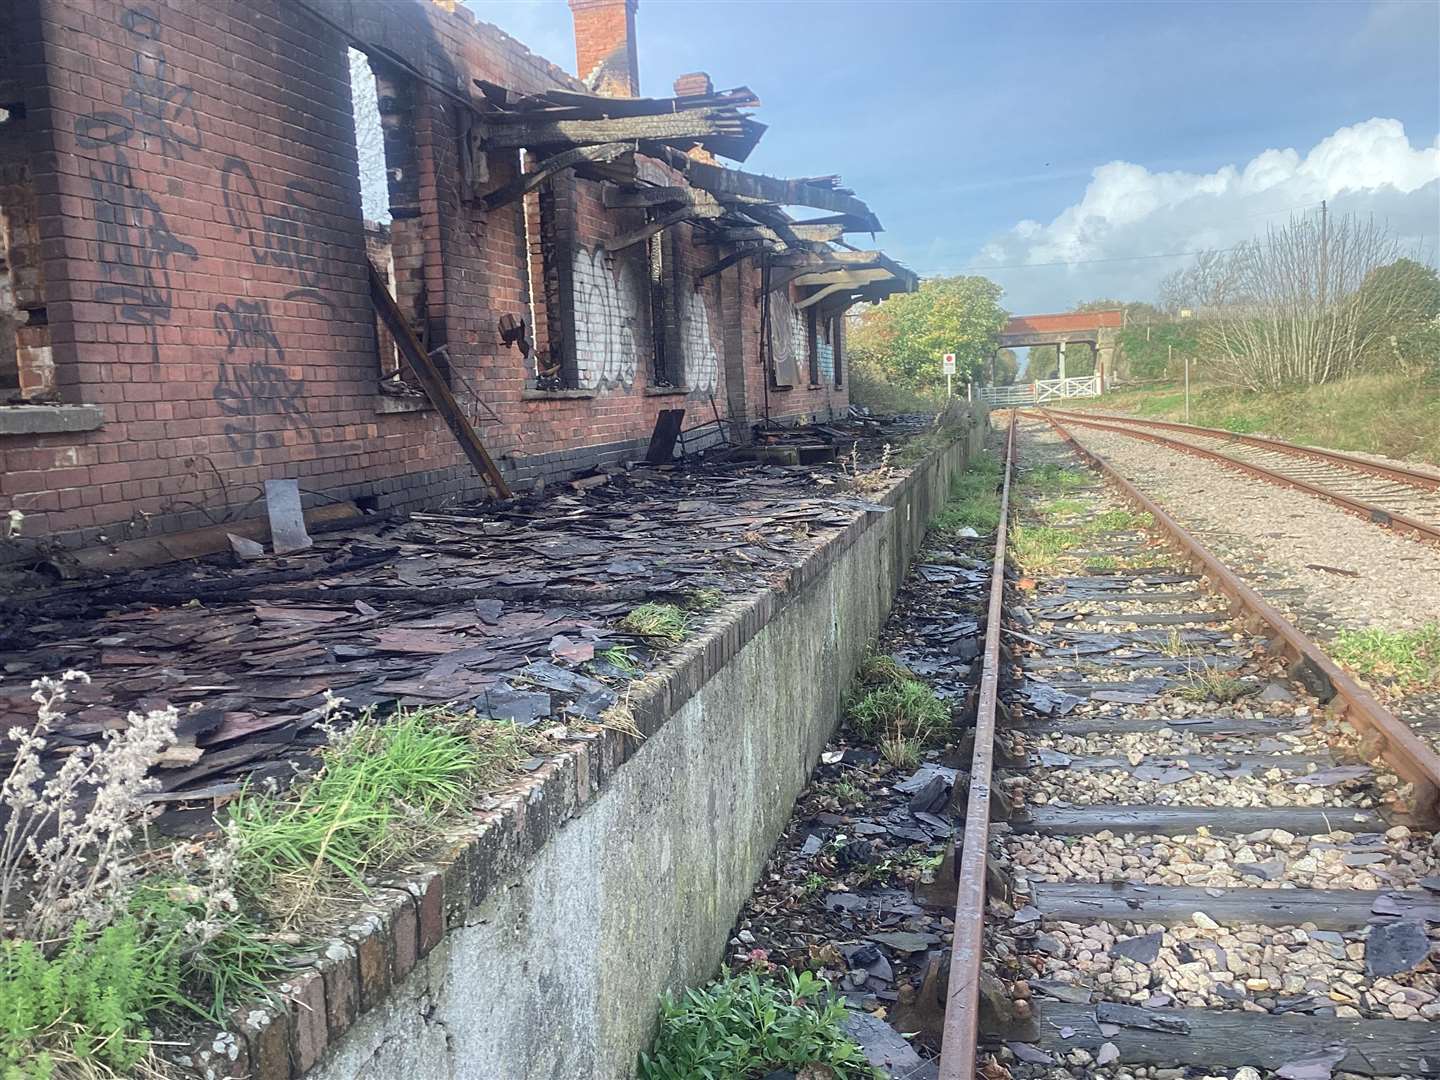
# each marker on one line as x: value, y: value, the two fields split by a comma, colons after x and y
x: 1411, y: 759
x: 1332, y: 457
x: 960, y: 1039
x: 1376, y: 514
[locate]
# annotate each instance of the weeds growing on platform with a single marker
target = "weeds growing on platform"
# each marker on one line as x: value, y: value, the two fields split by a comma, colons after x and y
x: 659, y: 624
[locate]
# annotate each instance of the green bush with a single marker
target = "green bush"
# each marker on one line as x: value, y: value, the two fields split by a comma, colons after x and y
x: 742, y: 1027
x: 82, y: 1010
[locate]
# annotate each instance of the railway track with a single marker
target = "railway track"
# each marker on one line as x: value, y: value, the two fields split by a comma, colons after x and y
x: 1158, y: 878
x: 1398, y: 498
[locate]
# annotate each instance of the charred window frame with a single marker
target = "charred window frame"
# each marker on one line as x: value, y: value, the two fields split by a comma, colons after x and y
x: 27, y: 369
x: 812, y: 344
x: 837, y: 330
x: 666, y: 365
x: 544, y: 330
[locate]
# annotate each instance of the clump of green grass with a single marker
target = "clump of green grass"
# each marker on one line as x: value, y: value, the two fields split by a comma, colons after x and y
x: 1052, y: 479
x: 659, y: 624
x: 382, y: 791
x: 706, y: 599
x: 878, y: 669
x: 1058, y: 508
x: 906, y: 709
x: 1174, y: 645
x: 899, y: 751
x: 1212, y: 685
x: 1411, y: 658
x: 618, y: 656
x: 1039, y: 547
x: 1103, y: 563
x: 1117, y: 520
x: 744, y: 1026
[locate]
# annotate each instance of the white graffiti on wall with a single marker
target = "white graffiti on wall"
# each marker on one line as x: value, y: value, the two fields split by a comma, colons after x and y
x: 607, y: 306
x: 787, y: 339
x: 702, y: 365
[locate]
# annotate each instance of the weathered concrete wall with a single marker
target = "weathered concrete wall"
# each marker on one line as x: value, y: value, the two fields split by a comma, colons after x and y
x: 557, y: 971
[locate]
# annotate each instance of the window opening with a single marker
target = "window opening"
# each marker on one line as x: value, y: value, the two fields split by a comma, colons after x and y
x: 657, y: 270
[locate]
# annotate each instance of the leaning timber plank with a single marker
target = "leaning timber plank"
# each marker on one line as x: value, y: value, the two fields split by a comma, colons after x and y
x: 722, y: 181
x: 1232, y: 1038
x: 692, y: 124
x: 1202, y: 725
x: 1174, y: 820
x: 527, y: 182
x: 433, y: 383
x: 1328, y: 909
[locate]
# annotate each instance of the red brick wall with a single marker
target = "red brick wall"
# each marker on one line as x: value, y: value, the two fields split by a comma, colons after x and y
x: 206, y: 279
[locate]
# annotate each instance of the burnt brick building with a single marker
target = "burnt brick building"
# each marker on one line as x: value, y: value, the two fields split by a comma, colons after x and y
x: 188, y: 226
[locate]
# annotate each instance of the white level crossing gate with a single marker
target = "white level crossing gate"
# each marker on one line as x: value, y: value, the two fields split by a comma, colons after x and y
x: 1039, y: 391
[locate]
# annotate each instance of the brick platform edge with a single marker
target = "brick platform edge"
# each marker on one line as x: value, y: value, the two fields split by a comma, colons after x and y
x: 376, y: 1002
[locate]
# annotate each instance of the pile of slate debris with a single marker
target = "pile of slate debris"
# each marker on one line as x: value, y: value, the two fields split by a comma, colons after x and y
x: 853, y: 890
x: 505, y: 608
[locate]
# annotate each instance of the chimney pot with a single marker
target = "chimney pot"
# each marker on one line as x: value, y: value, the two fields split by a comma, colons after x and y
x: 605, y: 56
x: 694, y: 84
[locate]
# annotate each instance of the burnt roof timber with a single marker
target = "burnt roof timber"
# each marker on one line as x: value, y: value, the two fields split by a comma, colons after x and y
x: 598, y: 105
x: 730, y: 260
x: 693, y: 125
x: 649, y: 229
x: 527, y: 182
x: 720, y: 182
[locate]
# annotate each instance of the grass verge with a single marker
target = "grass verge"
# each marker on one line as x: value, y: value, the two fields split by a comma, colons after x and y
x: 974, y: 499
x: 1409, y: 658
x: 905, y: 709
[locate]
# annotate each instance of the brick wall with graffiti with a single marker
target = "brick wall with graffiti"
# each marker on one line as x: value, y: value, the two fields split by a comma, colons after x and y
x: 207, y: 287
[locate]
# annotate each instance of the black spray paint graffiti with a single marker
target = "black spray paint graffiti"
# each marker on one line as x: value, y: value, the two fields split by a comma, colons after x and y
x: 286, y: 233
x: 259, y: 386
x: 137, y: 247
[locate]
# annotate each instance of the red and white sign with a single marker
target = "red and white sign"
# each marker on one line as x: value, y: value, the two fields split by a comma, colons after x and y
x: 949, y: 363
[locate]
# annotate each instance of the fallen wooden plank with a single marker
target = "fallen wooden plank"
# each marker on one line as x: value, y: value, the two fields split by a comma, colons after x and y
x: 1293, y: 763
x: 1096, y: 724
x: 1173, y: 820
x: 1232, y: 1038
x: 1170, y: 905
x: 433, y: 383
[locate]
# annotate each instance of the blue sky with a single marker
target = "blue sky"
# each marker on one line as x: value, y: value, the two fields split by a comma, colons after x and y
x: 975, y: 130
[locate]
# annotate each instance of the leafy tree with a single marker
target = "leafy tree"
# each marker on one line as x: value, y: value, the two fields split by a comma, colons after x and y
x: 1150, y: 348
x: 1007, y: 367
x: 1411, y: 336
x: 907, y: 335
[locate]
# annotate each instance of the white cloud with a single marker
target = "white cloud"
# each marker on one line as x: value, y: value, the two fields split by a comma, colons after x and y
x: 1127, y: 210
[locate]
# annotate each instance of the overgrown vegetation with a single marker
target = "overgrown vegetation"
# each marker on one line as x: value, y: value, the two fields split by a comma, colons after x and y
x: 974, y: 499
x: 1393, y: 414
x: 659, y: 624
x: 745, y: 1026
x: 905, y: 708
x: 1041, y: 547
x: 1409, y: 658
x: 706, y: 599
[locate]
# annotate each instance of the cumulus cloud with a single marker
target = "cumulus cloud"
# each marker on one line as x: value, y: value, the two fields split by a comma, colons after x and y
x: 1126, y: 210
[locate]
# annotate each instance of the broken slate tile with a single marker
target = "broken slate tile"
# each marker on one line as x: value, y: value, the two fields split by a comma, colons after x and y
x: 1315, y: 1066
x: 1074, y: 995
x: 883, y: 1046
x: 931, y: 796
x: 906, y: 941
x: 1031, y: 1055
x: 812, y: 847
x: 1143, y: 949
x: 868, y: 828
x: 1269, y: 870
x: 923, y: 776
x: 1394, y: 947
x: 1132, y: 1016
x: 524, y: 707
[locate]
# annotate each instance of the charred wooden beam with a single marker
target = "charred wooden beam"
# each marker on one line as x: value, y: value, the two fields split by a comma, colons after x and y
x: 846, y: 281
x: 729, y: 261
x: 598, y: 105
x: 722, y: 182
x: 527, y: 182
x: 675, y: 217
x: 433, y: 383
x: 694, y: 125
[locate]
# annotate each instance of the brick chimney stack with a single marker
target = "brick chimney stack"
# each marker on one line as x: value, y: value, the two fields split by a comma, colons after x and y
x: 605, y: 59
x: 695, y: 84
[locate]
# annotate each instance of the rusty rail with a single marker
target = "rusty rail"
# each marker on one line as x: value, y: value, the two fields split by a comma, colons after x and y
x: 1330, y: 457
x: 1391, y: 739
x: 962, y: 1001
x: 1377, y: 514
